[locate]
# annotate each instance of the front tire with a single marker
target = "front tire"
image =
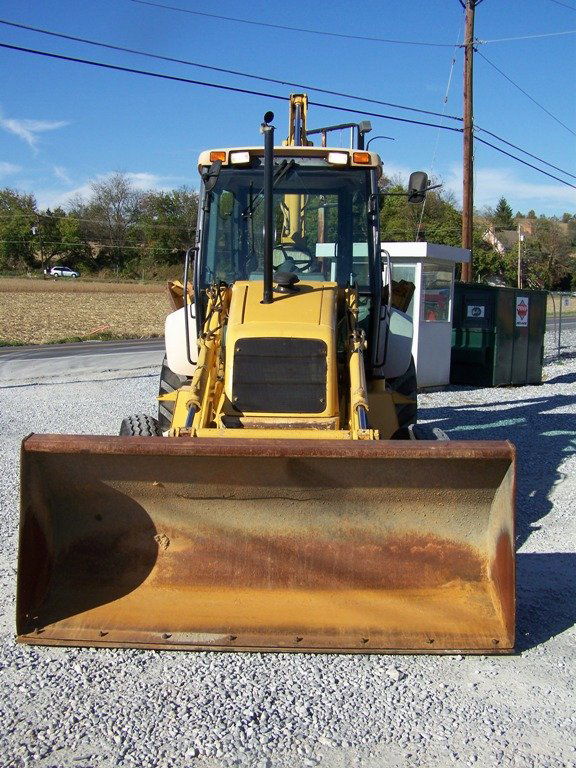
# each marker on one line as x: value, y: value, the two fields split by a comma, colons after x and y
x: 169, y: 381
x: 140, y: 425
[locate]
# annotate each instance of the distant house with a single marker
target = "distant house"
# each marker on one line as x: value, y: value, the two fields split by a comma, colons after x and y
x: 503, y: 240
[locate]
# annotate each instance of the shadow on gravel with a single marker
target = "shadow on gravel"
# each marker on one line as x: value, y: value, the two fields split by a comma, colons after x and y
x: 546, y: 599
x: 544, y: 439
x: 565, y: 378
x: 555, y: 358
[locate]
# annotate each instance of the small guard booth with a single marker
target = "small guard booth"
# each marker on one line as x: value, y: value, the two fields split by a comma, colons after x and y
x: 431, y: 268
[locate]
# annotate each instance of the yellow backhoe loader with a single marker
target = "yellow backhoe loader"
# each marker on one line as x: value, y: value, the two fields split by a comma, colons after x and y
x: 284, y: 498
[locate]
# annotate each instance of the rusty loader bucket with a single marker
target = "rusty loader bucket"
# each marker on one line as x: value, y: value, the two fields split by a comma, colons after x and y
x: 317, y: 545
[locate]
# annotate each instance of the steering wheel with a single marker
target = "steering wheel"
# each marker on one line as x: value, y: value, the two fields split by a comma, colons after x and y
x: 301, y: 264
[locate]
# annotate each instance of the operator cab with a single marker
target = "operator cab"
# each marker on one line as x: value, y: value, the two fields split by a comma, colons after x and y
x: 324, y: 217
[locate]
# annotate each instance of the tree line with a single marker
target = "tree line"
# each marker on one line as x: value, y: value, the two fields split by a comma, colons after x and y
x: 547, y: 244
x: 119, y: 230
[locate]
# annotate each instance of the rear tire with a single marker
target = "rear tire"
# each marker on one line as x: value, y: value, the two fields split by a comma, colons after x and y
x: 406, y: 385
x: 140, y: 425
x: 169, y: 381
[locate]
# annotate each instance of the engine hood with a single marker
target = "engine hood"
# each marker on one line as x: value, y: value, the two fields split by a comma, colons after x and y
x: 275, y: 350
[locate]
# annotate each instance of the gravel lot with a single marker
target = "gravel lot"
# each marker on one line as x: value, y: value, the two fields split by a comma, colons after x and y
x: 102, y: 708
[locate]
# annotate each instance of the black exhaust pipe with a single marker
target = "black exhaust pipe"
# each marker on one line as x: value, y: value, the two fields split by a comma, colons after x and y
x: 268, y: 131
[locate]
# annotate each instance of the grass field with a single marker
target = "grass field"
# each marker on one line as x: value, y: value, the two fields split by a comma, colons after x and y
x: 568, y: 305
x: 36, y: 311
x: 52, y: 311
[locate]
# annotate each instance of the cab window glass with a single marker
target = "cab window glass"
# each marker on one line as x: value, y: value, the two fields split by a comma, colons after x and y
x: 321, y: 229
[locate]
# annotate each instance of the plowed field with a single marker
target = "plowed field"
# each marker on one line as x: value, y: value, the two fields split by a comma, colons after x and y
x: 49, y: 311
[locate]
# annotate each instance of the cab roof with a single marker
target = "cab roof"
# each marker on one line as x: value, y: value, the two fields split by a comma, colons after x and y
x: 369, y: 159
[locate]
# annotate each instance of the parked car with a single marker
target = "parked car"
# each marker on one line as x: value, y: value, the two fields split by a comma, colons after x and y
x: 61, y: 272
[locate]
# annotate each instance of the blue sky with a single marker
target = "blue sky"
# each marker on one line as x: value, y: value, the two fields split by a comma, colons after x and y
x: 63, y: 124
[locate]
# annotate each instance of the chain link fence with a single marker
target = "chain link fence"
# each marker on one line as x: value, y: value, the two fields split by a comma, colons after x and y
x: 560, y: 338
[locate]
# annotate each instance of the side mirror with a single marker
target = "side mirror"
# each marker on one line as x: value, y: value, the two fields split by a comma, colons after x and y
x: 210, y: 177
x: 417, y: 187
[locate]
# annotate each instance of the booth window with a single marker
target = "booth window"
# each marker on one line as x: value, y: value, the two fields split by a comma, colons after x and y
x: 408, y: 273
x: 436, y: 289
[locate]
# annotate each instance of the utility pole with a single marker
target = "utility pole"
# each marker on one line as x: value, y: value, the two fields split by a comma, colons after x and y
x: 37, y: 230
x: 468, y: 138
x: 520, y: 239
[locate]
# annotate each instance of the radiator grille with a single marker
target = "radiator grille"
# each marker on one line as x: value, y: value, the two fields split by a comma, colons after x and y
x: 277, y: 375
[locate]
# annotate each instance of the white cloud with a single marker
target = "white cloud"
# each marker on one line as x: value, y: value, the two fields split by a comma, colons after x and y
x: 49, y: 197
x: 8, y: 169
x: 145, y: 181
x: 61, y: 174
x: 28, y: 130
x: 142, y: 181
x: 490, y: 184
x: 394, y: 171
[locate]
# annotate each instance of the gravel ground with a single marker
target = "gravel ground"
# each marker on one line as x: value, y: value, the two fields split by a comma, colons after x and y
x: 105, y: 708
x: 567, y: 343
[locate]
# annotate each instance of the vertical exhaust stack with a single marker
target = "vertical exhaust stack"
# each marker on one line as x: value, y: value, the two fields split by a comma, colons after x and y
x: 268, y: 131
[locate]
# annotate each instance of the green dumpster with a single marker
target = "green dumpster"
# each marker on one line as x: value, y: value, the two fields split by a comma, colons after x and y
x: 497, y: 335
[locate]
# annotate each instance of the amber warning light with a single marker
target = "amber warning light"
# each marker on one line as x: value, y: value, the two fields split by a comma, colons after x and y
x: 363, y: 158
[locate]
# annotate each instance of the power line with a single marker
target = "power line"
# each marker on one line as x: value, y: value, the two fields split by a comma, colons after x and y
x: 270, y: 80
x: 220, y: 69
x: 514, y: 146
x: 290, y: 29
x: 519, y: 159
x: 437, y: 142
x: 528, y: 37
x: 563, y: 4
x: 527, y: 94
x: 94, y: 243
x: 218, y: 86
x: 72, y: 217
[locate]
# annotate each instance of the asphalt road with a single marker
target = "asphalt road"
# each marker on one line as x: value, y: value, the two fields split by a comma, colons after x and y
x: 49, y: 351
x: 33, y: 363
x: 568, y: 323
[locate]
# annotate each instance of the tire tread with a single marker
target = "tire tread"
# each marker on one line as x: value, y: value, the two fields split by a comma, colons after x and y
x: 140, y: 425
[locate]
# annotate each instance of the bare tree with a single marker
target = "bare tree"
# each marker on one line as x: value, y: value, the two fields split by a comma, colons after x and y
x: 110, y: 217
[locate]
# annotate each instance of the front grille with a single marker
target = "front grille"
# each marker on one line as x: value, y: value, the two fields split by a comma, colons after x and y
x: 276, y: 375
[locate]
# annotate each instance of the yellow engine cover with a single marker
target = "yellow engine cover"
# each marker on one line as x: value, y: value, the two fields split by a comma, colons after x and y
x: 308, y: 314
